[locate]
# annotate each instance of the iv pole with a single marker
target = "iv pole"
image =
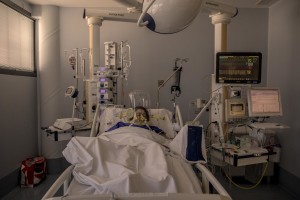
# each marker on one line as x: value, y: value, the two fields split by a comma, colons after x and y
x: 158, y: 89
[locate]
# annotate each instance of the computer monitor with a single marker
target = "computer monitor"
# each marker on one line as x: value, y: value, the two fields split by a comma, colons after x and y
x: 238, y: 67
x: 264, y: 102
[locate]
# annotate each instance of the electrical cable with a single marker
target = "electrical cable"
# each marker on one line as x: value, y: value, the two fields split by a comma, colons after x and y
x: 251, y: 187
x: 206, y: 130
x: 236, y: 126
x: 189, y: 110
x: 208, y: 138
x: 216, y: 89
x: 80, y: 111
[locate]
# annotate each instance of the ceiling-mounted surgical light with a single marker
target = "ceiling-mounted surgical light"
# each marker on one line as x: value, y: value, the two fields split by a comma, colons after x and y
x: 169, y: 16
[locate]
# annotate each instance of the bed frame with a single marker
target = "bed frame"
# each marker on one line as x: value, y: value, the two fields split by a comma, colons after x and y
x: 207, y: 180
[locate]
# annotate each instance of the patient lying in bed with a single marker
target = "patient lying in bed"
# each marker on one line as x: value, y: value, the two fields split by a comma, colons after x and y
x: 129, y: 158
x: 141, y: 119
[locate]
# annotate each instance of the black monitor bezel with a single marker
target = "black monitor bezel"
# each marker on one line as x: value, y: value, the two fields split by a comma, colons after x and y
x: 219, y: 54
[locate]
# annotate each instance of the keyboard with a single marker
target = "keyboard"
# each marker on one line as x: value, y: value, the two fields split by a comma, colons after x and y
x: 268, y: 125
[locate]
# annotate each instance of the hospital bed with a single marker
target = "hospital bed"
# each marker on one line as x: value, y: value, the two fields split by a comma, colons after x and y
x: 133, y: 163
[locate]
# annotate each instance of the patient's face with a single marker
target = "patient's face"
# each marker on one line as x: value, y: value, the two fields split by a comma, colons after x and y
x: 140, y: 116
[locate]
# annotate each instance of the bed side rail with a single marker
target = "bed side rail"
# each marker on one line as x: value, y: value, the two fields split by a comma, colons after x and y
x: 208, y: 177
x: 146, y: 196
x: 64, y: 178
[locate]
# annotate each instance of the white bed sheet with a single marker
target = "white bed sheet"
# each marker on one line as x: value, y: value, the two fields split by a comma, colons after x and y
x: 127, y: 160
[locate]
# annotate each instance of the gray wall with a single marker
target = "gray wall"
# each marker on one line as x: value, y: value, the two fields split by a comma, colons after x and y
x: 249, y: 32
x: 283, y: 72
x: 18, y: 121
x: 273, y: 32
x: 153, y: 54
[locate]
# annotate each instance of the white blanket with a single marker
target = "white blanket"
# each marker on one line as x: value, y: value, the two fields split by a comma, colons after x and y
x: 126, y: 160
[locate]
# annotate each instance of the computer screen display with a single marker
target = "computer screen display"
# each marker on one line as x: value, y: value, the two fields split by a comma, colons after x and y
x: 264, y: 102
x: 238, y: 67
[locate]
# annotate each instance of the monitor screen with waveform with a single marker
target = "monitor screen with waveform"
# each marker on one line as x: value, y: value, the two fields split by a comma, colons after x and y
x: 238, y: 67
x: 264, y: 102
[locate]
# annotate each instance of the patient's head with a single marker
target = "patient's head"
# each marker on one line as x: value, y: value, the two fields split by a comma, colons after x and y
x: 141, y: 115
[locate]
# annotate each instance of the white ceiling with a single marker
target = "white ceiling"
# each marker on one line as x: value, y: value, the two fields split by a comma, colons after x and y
x: 113, y: 3
x: 77, y: 3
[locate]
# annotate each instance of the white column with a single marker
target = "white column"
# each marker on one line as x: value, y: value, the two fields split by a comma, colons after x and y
x: 94, y: 30
x: 91, y: 91
x: 220, y: 22
x: 49, y: 77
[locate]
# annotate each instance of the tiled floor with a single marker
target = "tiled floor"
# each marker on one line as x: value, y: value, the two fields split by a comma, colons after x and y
x: 264, y: 191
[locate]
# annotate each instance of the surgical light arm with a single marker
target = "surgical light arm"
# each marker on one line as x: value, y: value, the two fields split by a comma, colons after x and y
x: 114, y: 14
x: 136, y: 4
x: 158, y: 15
x: 219, y: 8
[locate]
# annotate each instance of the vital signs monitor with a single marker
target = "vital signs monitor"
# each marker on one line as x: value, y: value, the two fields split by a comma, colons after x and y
x: 238, y: 67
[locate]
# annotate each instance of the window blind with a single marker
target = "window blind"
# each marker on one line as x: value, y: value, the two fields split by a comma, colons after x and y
x: 16, y: 40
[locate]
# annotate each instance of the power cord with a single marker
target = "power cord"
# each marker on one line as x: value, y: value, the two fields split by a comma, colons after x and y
x: 251, y: 187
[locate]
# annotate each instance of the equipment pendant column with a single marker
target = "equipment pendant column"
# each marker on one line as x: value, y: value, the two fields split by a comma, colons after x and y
x: 94, y: 35
x: 91, y: 90
x: 220, y: 21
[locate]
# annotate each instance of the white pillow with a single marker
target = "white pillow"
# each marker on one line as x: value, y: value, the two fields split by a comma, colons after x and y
x: 111, y: 116
x: 161, y: 118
